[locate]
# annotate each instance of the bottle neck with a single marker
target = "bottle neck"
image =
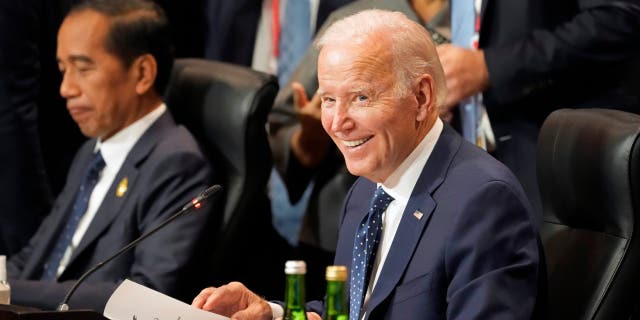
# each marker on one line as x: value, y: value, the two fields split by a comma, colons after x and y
x: 335, y: 288
x: 295, y: 293
x: 294, y: 297
x: 335, y: 305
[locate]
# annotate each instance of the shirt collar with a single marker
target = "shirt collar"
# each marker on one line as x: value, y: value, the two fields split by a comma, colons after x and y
x: 401, y: 182
x: 115, y: 149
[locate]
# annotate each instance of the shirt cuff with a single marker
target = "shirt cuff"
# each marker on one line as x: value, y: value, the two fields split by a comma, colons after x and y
x: 276, y: 310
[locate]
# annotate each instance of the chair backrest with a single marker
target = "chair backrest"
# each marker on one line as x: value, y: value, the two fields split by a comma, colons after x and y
x: 225, y: 107
x: 589, y: 173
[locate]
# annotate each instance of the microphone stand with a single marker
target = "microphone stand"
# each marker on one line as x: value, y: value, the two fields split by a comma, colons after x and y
x: 196, y: 203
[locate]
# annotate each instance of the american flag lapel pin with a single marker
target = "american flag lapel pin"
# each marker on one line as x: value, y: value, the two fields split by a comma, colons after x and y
x: 418, y: 214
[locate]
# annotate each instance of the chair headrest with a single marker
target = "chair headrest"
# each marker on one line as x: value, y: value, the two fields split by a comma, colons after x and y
x: 586, y: 162
x: 225, y: 107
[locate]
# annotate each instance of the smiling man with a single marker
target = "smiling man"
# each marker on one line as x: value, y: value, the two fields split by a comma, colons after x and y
x: 434, y: 228
x: 137, y: 169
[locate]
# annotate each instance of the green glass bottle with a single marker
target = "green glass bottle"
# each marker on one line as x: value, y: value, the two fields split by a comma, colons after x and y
x: 335, y: 300
x: 294, y: 295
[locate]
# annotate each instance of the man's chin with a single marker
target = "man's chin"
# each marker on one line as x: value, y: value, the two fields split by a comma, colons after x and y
x: 358, y: 170
x: 89, y: 132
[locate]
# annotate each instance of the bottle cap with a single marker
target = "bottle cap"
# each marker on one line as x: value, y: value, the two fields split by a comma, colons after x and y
x: 336, y: 273
x: 3, y: 268
x: 295, y: 267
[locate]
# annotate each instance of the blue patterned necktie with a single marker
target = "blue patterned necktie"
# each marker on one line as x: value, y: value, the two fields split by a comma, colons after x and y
x: 365, y: 247
x: 295, y: 37
x: 91, y: 176
x: 462, y: 30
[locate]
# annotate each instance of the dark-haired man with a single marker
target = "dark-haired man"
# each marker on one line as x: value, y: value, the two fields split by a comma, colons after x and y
x: 138, y: 168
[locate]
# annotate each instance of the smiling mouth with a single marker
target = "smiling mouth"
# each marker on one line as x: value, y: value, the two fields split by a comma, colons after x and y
x: 355, y: 143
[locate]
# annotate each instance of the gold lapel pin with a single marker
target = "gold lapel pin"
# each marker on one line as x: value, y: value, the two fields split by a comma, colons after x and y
x: 122, y: 187
x: 418, y: 214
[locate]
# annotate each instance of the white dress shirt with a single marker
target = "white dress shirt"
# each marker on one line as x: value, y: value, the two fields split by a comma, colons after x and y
x: 114, y: 151
x: 400, y: 185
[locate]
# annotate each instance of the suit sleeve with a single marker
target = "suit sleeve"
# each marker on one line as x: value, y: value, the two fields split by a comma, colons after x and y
x: 160, y: 261
x: 492, y: 258
x: 163, y: 261
x: 17, y: 261
x: 602, y: 32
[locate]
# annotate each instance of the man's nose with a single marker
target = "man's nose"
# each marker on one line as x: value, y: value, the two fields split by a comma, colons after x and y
x: 68, y: 87
x: 342, y: 120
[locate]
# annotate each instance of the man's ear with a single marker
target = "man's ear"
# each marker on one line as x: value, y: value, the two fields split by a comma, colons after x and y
x: 145, y: 69
x: 425, y: 97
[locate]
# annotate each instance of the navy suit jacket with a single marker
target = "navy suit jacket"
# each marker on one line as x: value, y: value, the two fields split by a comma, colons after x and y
x: 475, y: 252
x: 164, y: 169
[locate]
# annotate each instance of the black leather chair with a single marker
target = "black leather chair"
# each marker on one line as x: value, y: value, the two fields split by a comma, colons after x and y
x: 225, y: 107
x: 589, y: 175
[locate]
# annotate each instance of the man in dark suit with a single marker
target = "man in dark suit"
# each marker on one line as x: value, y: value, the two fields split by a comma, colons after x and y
x: 536, y: 56
x: 137, y: 170
x: 434, y: 228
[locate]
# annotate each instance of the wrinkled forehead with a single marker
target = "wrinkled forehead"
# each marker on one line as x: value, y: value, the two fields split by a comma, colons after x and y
x: 354, y: 62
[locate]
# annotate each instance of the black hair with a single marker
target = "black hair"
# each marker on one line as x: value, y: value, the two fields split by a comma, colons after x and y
x: 137, y: 27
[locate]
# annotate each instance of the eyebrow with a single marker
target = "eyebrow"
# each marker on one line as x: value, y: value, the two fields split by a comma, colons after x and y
x: 78, y: 58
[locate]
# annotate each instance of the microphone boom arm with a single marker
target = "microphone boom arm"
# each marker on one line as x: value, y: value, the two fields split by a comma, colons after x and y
x: 195, y: 203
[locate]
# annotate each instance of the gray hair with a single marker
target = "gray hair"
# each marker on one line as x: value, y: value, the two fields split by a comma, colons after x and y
x: 411, y: 48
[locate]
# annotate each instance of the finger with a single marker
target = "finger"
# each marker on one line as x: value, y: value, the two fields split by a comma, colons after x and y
x: 200, y: 299
x: 313, y: 316
x: 256, y: 310
x: 315, y: 101
x: 221, y: 300
x: 300, y: 98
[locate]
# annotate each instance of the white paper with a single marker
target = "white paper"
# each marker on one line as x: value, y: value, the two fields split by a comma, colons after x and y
x: 132, y: 301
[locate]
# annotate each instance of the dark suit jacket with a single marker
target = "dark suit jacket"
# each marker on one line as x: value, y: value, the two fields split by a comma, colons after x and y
x: 164, y: 169
x: 543, y: 55
x: 474, y: 254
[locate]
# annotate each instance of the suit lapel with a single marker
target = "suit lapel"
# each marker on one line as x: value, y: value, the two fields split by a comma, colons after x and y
x: 109, y: 208
x: 114, y: 200
x: 60, y: 212
x: 415, y: 216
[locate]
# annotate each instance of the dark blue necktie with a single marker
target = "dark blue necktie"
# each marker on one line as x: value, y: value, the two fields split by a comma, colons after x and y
x: 365, y: 247
x: 91, y: 176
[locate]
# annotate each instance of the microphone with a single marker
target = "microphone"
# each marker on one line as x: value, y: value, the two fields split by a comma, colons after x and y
x: 194, y: 204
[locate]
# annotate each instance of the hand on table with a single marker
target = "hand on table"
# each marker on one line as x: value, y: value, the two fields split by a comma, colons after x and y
x: 233, y: 300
